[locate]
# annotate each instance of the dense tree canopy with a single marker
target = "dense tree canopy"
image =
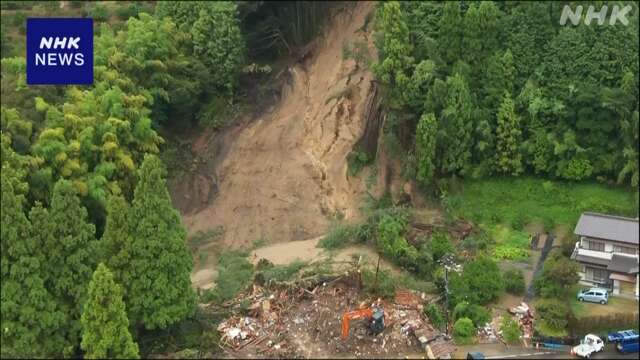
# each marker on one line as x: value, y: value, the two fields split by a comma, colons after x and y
x: 105, y: 333
x: 30, y: 316
x: 217, y: 40
x: 70, y: 161
x: 572, y: 91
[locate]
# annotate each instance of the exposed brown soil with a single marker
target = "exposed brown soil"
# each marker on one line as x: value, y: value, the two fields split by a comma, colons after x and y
x: 283, y: 175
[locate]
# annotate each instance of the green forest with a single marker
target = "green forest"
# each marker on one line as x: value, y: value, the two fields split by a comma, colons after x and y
x: 94, y: 254
x: 487, y: 88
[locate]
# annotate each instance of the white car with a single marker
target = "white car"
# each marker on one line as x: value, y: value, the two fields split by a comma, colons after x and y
x: 589, y: 345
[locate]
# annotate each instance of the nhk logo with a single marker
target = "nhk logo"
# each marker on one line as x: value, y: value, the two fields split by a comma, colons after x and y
x: 59, y: 51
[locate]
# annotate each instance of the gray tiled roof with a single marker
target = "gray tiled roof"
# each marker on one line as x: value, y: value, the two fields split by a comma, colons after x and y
x: 623, y: 264
x: 608, y: 227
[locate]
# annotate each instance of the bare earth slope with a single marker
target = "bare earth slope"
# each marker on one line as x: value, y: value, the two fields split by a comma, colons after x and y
x: 284, y: 175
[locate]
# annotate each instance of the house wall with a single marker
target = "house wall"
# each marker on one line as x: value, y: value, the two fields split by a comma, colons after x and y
x: 586, y: 276
x: 618, y: 287
x: 608, y: 245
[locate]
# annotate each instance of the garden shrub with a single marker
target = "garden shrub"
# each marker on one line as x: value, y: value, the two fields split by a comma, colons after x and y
x: 385, y: 286
x: 546, y: 288
x: 463, y: 331
x: 514, y: 281
x: 441, y: 245
x: 559, y: 273
x: 554, y: 313
x: 282, y: 272
x: 510, y: 330
x: 480, y: 282
x: 549, y: 223
x: 356, y: 161
x: 478, y: 314
x: 519, y: 221
x: 435, y: 316
x: 392, y: 244
x: 425, y: 262
x: 339, y: 235
x: 235, y: 273
x: 478, y: 241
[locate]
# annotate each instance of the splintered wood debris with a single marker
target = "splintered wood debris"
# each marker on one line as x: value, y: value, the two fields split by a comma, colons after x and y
x: 305, y: 322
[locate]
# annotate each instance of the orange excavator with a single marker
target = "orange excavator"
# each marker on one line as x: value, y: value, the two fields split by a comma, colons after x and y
x: 375, y: 314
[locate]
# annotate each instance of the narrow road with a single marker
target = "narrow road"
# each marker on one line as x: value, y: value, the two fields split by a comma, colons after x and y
x: 499, y: 351
x: 538, y: 269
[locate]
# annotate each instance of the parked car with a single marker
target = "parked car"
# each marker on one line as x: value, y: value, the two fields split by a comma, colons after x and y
x: 626, y: 341
x: 596, y: 295
x: 475, y: 355
x: 616, y: 336
x: 589, y: 345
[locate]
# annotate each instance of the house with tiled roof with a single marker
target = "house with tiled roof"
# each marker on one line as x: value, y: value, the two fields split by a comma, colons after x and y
x: 607, y: 250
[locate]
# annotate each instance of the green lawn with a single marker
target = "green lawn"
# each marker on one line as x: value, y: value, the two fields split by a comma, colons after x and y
x: 616, y: 305
x: 518, y: 201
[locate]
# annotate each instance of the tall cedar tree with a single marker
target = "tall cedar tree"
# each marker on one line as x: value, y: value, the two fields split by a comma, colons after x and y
x: 159, y: 291
x: 70, y: 247
x: 426, y: 135
x: 499, y: 77
x: 421, y: 80
x: 508, y: 155
x: 455, y: 126
x: 105, y: 327
x: 396, y: 51
x: 116, y: 240
x: 450, y: 35
x: 30, y: 317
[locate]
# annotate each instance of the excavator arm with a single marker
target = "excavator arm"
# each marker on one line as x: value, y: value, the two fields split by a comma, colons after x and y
x: 353, y: 315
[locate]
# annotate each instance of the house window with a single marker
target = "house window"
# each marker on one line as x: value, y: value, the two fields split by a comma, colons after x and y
x: 624, y: 249
x: 595, y: 245
x: 596, y: 275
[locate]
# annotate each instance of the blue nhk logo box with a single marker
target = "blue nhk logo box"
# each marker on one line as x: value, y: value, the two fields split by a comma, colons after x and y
x: 59, y: 51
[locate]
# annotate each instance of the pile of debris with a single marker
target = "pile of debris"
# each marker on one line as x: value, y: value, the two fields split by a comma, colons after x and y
x: 303, y: 322
x: 489, y: 333
x: 525, y: 318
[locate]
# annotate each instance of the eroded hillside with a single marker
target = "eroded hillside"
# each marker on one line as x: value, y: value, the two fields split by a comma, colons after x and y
x: 283, y: 176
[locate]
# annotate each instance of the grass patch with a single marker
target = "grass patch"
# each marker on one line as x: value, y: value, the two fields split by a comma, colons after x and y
x: 508, y: 252
x: 258, y: 243
x: 546, y: 330
x: 410, y: 282
x: 504, y: 235
x: 340, y: 235
x: 202, y: 258
x: 235, y: 273
x: 509, y: 200
x: 202, y: 237
x: 282, y: 272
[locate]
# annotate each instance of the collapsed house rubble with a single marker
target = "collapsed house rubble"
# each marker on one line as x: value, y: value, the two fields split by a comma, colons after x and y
x: 306, y: 322
x: 524, y: 315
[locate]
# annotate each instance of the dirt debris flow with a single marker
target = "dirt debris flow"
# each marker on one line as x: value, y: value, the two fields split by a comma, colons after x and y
x: 284, y: 174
